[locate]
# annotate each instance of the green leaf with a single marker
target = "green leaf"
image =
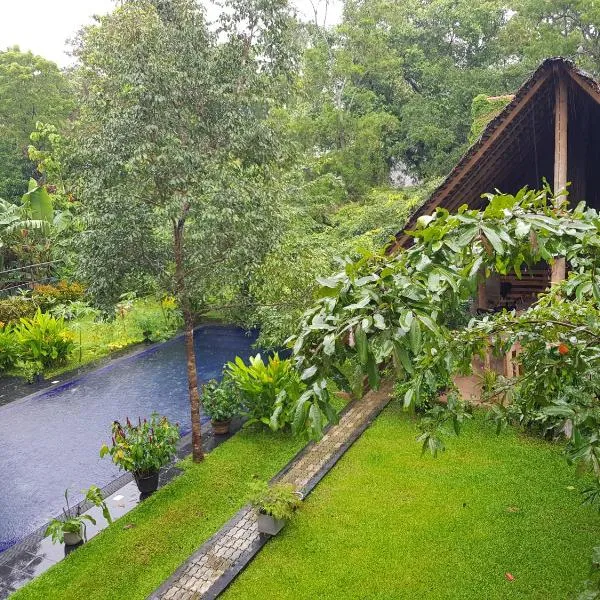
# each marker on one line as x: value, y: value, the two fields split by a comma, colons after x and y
x: 402, y: 357
x: 40, y: 204
x: 362, y: 345
x: 308, y: 373
x: 415, y: 337
x: 373, y: 372
x: 494, y: 239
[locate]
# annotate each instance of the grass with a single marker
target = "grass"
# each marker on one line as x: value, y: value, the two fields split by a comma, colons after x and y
x: 135, y: 555
x: 388, y: 523
x: 98, y: 339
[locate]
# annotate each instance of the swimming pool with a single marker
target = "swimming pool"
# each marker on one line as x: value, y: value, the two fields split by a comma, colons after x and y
x: 50, y: 440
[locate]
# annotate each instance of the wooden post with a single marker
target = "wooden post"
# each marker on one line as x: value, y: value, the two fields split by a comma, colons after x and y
x: 561, y: 115
x: 482, y: 302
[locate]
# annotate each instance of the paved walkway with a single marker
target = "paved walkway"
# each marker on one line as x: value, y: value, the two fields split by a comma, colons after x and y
x: 208, y: 572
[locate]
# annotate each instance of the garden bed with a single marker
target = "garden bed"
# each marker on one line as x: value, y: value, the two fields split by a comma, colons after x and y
x: 493, y: 517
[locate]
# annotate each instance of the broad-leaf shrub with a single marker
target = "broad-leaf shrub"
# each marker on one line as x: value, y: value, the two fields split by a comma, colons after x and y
x: 14, y: 308
x: 9, y: 349
x: 269, y: 391
x: 48, y: 295
x: 43, y: 339
x: 143, y: 448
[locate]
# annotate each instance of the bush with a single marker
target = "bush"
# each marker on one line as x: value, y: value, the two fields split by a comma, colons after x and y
x: 14, y: 308
x: 47, y: 296
x: 143, y: 448
x: 268, y: 391
x: 279, y: 500
x: 43, y: 339
x: 220, y: 400
x: 9, y: 349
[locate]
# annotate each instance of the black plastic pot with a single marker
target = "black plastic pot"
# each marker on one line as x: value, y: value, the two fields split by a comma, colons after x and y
x: 147, y: 483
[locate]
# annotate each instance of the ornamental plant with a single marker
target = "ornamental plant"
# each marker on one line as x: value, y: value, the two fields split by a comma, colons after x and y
x: 268, y: 390
x: 278, y: 501
x: 76, y: 522
x: 44, y: 339
x: 221, y: 400
x: 143, y: 448
x: 9, y: 349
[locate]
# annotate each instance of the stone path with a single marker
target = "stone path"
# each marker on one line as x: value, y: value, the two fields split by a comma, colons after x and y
x: 210, y: 570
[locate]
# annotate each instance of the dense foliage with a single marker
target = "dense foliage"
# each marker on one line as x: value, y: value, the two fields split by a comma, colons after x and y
x: 143, y: 448
x: 268, y: 390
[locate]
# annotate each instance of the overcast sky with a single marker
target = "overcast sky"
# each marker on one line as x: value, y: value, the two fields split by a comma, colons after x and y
x: 43, y: 26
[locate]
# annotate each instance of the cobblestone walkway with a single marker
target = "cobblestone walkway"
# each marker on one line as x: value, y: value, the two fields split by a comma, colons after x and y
x: 208, y: 572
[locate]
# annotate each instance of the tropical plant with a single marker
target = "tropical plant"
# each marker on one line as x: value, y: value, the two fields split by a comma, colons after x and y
x: 279, y: 500
x: 220, y: 400
x: 75, y: 522
x: 268, y: 391
x: 14, y: 308
x: 9, y: 349
x: 143, y: 448
x: 43, y: 339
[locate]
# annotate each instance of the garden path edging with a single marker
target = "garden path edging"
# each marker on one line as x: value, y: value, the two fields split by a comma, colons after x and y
x: 208, y: 572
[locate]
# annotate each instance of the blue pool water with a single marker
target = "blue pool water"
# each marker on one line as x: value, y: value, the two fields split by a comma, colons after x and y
x: 50, y: 440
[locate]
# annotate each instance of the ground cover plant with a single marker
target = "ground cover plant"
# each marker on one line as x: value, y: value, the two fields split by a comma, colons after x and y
x: 495, y: 517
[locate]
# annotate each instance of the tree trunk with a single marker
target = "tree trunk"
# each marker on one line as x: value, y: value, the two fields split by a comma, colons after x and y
x: 192, y: 375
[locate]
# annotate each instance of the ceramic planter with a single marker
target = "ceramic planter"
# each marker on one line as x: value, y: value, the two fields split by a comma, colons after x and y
x: 220, y: 427
x: 269, y: 525
x: 72, y: 539
x: 147, y: 482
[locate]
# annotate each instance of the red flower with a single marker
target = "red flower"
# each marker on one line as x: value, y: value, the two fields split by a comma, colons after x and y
x: 563, y: 349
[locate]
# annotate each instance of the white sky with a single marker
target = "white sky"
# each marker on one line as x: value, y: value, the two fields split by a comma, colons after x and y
x: 43, y: 26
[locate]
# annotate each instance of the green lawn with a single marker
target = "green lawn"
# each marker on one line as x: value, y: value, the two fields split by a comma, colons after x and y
x: 388, y: 523
x: 134, y: 556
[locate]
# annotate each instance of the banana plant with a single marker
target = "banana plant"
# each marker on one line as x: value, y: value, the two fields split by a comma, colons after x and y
x: 36, y: 212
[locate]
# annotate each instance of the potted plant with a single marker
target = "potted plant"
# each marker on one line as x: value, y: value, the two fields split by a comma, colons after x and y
x: 71, y: 529
x: 276, y: 504
x: 220, y: 402
x: 143, y: 449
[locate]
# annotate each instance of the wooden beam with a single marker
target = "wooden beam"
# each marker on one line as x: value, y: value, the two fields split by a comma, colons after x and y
x: 561, y: 116
x: 467, y: 162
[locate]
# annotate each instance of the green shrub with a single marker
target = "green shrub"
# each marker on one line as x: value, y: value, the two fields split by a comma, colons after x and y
x: 9, y: 349
x: 14, y: 308
x: 48, y: 295
x: 43, y: 339
x: 268, y: 391
x: 279, y: 500
x: 220, y: 401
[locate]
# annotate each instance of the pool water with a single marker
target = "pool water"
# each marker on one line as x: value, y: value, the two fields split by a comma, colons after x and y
x: 50, y: 440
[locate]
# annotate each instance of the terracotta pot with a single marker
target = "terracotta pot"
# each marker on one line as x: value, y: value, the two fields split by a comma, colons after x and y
x: 220, y: 427
x: 147, y: 483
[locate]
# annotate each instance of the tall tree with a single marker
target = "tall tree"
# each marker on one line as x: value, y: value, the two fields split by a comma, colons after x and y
x: 170, y: 111
x: 31, y: 89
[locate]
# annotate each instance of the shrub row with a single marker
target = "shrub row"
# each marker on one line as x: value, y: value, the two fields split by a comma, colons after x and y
x: 14, y: 308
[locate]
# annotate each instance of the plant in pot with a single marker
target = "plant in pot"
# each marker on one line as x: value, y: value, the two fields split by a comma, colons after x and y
x: 71, y: 528
x: 275, y: 503
x: 143, y: 449
x: 220, y: 402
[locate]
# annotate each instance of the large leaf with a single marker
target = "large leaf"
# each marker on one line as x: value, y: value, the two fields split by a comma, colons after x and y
x: 40, y: 203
